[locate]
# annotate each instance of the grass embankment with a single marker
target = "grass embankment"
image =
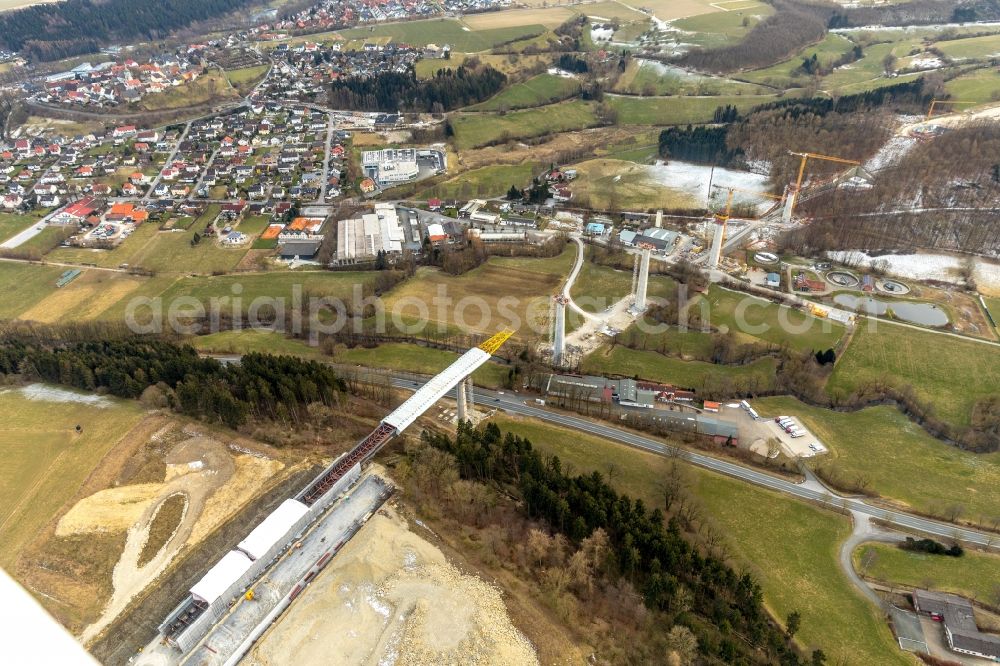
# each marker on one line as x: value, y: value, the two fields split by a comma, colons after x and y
x: 946, y: 372
x: 898, y: 459
x: 399, y: 356
x: 970, y: 48
x: 790, y: 547
x: 689, y: 344
x: 784, y: 73
x: 255, y: 340
x: 245, y: 78
x: 993, y: 305
x: 598, y: 287
x: 678, y: 110
x: 502, y: 292
x: 206, y: 89
x: 485, y: 182
x: 776, y: 324
x: 974, y: 575
x: 698, y: 375
x: 442, y: 31
x: 162, y: 527
x: 980, y: 86
x: 718, y: 29
x: 649, y: 77
x: 414, y: 358
x: 536, y: 91
x: 46, y: 460
x: 480, y: 129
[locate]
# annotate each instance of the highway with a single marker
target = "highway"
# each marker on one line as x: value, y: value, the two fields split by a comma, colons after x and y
x: 519, y: 404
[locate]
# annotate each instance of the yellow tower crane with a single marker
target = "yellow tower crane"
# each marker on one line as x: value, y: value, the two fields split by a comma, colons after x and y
x: 802, y: 170
x: 936, y: 102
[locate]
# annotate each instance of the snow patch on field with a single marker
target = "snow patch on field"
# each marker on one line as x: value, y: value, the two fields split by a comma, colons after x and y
x: 694, y: 180
x: 44, y: 393
x: 601, y: 34
x: 940, y: 267
x: 926, y: 62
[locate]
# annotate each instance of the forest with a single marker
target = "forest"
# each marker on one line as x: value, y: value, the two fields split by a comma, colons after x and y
x: 261, y: 386
x: 917, y: 12
x: 940, y: 194
x: 677, y: 583
x: 768, y: 131
x: 793, y: 26
x: 706, y: 145
x: 62, y: 29
x: 392, y: 91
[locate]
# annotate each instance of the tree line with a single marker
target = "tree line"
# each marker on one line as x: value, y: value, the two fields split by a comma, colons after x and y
x: 793, y: 26
x: 261, y: 386
x: 722, y: 608
x: 394, y: 91
x: 702, y: 144
x: 917, y: 12
x: 59, y: 30
x: 768, y: 131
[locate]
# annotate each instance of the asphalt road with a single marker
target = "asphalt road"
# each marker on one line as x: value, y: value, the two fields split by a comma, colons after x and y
x: 518, y: 404
x: 515, y: 403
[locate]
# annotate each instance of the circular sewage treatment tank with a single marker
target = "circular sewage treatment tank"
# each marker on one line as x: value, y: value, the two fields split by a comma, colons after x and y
x: 765, y: 258
x: 893, y: 287
x: 843, y: 279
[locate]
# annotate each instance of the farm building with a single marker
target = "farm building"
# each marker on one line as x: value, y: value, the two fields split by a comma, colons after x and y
x: 956, y: 615
x: 301, y: 249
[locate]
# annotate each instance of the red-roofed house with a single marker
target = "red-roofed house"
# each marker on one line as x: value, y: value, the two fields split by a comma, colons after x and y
x: 76, y: 211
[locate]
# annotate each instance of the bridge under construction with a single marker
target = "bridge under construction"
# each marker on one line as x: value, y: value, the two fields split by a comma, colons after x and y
x: 212, y: 599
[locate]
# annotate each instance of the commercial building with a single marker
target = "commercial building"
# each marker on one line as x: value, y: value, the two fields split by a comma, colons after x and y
x: 661, y: 240
x: 392, y: 166
x: 643, y: 395
x: 956, y: 616
x: 364, y: 237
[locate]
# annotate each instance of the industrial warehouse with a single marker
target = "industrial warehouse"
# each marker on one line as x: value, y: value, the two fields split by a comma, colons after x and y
x: 370, y: 235
x: 394, y: 166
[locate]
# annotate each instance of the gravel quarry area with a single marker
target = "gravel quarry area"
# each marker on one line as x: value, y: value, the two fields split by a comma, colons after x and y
x: 394, y: 599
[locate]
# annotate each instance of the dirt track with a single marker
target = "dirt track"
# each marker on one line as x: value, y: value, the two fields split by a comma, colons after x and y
x: 136, y: 626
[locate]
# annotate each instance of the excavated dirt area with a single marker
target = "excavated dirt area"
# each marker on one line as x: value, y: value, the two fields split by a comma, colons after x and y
x: 215, y: 481
x: 396, y: 600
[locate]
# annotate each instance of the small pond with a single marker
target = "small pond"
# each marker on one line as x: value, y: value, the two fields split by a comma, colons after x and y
x: 925, y: 314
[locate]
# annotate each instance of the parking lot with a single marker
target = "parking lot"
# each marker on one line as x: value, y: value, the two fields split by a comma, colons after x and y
x: 755, y: 433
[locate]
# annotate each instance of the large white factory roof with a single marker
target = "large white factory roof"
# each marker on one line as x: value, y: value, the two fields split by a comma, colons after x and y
x: 365, y: 236
x: 436, y: 389
x: 218, y: 579
x: 273, y: 528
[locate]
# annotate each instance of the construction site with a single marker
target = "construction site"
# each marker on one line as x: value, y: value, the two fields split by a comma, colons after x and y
x: 229, y: 611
